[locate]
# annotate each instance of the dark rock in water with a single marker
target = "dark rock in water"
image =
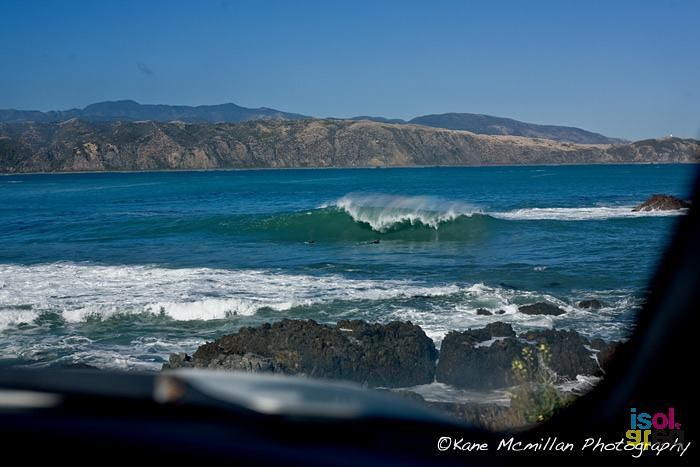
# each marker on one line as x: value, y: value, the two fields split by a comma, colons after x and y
x: 396, y: 354
x: 591, y: 304
x: 178, y: 360
x: 483, y: 312
x: 490, y: 331
x: 393, y: 355
x: 499, y: 329
x: 662, y: 203
x: 249, y: 362
x: 483, y: 358
x: 465, y: 364
x: 541, y: 308
x: 501, y: 312
x: 568, y: 352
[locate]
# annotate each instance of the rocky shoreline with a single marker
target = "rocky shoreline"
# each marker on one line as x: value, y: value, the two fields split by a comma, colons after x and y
x: 398, y: 355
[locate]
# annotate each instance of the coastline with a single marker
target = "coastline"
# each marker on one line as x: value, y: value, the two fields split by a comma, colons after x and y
x: 261, y: 169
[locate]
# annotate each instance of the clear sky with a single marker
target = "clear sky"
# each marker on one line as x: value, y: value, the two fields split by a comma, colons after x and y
x: 624, y: 68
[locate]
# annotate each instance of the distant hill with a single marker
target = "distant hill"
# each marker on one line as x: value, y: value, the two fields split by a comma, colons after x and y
x: 133, y: 111
x: 378, y: 119
x: 128, y: 110
x: 75, y: 145
x: 488, y: 125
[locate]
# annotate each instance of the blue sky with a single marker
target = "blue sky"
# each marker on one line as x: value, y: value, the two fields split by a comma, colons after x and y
x: 628, y: 69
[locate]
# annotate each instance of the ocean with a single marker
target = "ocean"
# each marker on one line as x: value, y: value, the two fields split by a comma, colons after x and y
x: 117, y: 270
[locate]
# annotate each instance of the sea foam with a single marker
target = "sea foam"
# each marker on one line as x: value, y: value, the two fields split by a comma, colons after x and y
x: 383, y: 212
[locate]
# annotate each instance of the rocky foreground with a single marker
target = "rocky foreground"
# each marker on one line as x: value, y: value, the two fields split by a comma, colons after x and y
x: 76, y: 145
x: 397, y: 354
x: 400, y: 355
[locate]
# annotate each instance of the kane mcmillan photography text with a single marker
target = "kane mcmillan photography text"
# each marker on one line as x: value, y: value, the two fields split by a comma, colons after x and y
x: 553, y: 445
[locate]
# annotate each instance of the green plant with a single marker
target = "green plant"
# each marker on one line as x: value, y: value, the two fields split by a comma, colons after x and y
x: 535, y: 396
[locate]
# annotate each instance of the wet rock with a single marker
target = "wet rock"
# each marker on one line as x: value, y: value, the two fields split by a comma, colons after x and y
x: 569, y: 354
x: 662, y: 203
x: 465, y: 364
x: 490, y: 331
x: 541, y: 308
x: 501, y: 312
x: 178, y: 360
x: 247, y: 362
x: 396, y: 354
x: 482, y: 359
x: 393, y: 355
x: 483, y: 312
x: 590, y: 304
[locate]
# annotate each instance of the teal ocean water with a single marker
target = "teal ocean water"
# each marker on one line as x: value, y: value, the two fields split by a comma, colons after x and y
x: 119, y: 270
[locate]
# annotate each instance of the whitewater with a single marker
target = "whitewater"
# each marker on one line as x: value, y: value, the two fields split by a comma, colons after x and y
x: 119, y: 270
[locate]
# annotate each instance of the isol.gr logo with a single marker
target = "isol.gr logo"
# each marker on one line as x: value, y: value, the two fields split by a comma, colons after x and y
x: 645, y: 427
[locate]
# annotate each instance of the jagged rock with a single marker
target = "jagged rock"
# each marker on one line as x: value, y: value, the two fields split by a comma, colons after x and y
x: 541, y: 308
x: 465, y: 363
x: 490, y: 331
x: 393, y: 355
x: 483, y: 312
x: 396, y: 354
x: 483, y: 358
x: 662, y: 203
x: 568, y: 352
x: 590, y: 304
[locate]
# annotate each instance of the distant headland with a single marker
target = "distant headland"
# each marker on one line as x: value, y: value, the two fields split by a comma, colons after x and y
x: 127, y: 136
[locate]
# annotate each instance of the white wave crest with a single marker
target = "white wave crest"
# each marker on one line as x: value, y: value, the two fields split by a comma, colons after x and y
x: 581, y: 213
x: 382, y: 212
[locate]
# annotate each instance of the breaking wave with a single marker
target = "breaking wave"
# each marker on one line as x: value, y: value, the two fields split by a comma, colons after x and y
x: 386, y: 212
x: 364, y: 217
x: 359, y: 217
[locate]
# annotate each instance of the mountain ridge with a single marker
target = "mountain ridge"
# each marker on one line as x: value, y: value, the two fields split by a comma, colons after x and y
x: 490, y: 125
x: 76, y: 145
x: 128, y: 109
x: 131, y: 110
